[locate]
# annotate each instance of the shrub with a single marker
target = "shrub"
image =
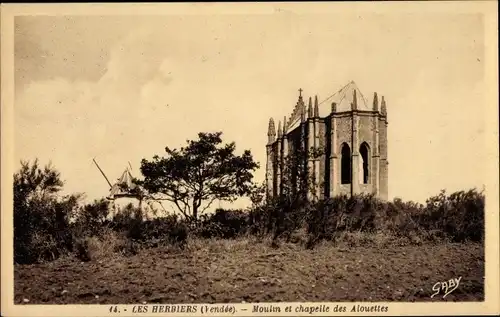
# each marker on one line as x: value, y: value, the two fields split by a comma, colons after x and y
x: 456, y: 217
x: 126, y: 217
x: 91, y: 219
x: 259, y: 220
x: 41, y: 216
x: 460, y: 216
x: 227, y: 224
x: 343, y: 213
x: 158, y: 231
x: 108, y: 244
x: 280, y: 217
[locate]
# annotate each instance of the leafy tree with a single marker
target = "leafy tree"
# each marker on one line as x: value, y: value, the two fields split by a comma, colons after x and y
x: 41, y: 215
x: 196, y: 175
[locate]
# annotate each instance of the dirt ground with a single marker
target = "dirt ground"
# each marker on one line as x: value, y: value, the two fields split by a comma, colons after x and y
x: 245, y: 271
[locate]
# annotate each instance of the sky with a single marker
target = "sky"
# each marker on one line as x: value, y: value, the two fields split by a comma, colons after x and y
x: 122, y: 88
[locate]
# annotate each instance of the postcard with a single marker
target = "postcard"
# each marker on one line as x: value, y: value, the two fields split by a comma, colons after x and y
x: 250, y: 159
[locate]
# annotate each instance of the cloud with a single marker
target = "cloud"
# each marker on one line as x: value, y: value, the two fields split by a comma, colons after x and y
x: 71, y: 121
x: 145, y: 100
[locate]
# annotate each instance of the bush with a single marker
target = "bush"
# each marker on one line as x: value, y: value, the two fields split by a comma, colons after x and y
x: 460, y: 216
x: 91, y: 219
x: 280, y: 217
x: 168, y: 230
x: 343, y: 213
x: 41, y: 216
x: 457, y: 217
x: 108, y: 244
x: 158, y: 231
x: 227, y: 224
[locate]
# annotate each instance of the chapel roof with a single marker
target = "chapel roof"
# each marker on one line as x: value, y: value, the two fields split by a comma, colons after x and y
x: 343, y: 98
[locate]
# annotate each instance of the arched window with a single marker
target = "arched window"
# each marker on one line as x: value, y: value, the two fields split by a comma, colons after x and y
x: 345, y: 162
x: 364, y: 150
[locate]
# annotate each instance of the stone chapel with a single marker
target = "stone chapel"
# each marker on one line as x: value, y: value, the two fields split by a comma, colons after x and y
x: 351, y: 136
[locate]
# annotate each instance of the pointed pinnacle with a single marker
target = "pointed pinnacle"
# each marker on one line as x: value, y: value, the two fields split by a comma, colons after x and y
x: 383, y: 106
x: 271, y: 130
x: 334, y: 107
x: 316, y: 106
x: 310, y: 109
x: 375, y: 102
x: 279, y: 129
x: 354, y: 100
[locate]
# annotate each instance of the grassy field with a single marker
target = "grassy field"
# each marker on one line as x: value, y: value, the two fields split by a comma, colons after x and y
x: 246, y: 270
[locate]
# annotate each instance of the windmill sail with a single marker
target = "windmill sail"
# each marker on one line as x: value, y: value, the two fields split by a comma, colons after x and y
x: 107, y: 180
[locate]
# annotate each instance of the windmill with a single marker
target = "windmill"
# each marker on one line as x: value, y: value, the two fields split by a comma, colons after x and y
x: 122, y: 187
x: 123, y: 192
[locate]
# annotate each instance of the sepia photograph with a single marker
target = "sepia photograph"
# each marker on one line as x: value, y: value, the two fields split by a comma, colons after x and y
x: 337, y: 156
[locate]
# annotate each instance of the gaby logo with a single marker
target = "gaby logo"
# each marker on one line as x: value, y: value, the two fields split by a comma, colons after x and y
x: 446, y: 287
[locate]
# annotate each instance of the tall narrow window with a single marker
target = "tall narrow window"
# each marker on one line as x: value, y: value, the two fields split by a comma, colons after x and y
x: 345, y: 162
x: 365, y: 157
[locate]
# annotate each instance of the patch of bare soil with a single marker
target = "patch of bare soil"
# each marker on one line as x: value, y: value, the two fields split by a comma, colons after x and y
x: 241, y: 270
